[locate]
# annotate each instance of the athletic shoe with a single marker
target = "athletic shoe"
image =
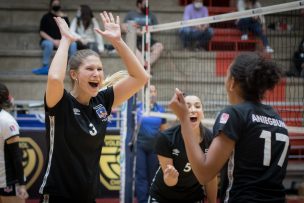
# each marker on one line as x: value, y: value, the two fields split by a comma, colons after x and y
x: 244, y: 37
x: 44, y: 70
x: 268, y: 49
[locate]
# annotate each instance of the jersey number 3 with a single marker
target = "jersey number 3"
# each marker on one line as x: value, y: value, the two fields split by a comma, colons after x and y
x: 93, y: 130
x: 266, y: 135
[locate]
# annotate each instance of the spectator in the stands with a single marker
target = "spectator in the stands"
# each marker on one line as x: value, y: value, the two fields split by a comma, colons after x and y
x: 256, y: 24
x: 83, y: 26
x: 298, y: 62
x: 50, y: 36
x: 138, y: 17
x: 196, y: 37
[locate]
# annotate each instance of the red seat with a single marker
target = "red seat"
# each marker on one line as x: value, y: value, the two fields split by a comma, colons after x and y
x: 296, y: 152
x: 230, y: 42
x: 291, y: 114
x: 216, y: 10
x: 224, y: 59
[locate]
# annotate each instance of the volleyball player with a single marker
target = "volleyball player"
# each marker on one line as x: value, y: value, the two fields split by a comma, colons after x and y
x: 251, y: 141
x: 174, y: 181
x: 76, y: 121
x: 12, y: 180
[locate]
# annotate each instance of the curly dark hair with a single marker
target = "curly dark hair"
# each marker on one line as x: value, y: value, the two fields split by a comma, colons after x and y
x: 4, y: 97
x: 255, y: 74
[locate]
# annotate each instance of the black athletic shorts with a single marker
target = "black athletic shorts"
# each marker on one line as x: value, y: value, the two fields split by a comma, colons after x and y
x: 59, y: 199
x: 9, y: 190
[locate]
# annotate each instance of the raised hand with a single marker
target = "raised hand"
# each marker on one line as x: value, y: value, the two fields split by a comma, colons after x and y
x: 112, y: 30
x: 178, y: 105
x: 21, y: 192
x: 171, y: 175
x: 64, y: 29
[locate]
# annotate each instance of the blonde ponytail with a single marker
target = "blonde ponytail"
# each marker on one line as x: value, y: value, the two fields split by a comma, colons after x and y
x: 114, y: 78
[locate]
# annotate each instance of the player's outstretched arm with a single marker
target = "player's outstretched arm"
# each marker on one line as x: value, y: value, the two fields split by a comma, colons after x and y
x: 57, y: 71
x: 137, y: 77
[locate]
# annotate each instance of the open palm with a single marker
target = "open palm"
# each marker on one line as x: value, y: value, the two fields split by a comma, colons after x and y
x: 112, y: 30
x: 64, y: 29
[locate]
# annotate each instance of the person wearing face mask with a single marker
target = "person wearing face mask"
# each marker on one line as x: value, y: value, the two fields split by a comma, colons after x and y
x: 83, y: 26
x: 50, y: 36
x: 146, y: 158
x: 138, y: 17
x: 174, y: 181
x: 196, y: 37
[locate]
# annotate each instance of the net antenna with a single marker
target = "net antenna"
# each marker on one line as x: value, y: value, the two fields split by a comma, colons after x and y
x: 145, y: 54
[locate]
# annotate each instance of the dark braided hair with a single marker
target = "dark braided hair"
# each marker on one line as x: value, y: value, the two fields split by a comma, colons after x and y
x: 255, y: 75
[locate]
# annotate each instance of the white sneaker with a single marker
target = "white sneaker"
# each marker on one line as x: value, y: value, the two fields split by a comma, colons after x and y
x: 268, y: 49
x: 244, y: 37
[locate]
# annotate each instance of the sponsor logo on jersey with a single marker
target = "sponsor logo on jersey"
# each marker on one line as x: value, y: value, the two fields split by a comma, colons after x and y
x: 8, y: 189
x: 76, y: 111
x: 224, y: 118
x: 109, y: 162
x: 32, y: 159
x: 101, y: 112
x: 175, y: 152
x: 13, y: 128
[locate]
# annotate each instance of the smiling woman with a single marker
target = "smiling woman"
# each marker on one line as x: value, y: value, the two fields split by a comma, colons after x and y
x: 76, y: 121
x: 175, y: 174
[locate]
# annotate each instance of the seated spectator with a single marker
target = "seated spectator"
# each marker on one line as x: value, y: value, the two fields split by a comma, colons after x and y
x: 50, y: 36
x: 139, y: 18
x: 196, y: 37
x: 298, y: 62
x: 82, y: 27
x: 255, y: 24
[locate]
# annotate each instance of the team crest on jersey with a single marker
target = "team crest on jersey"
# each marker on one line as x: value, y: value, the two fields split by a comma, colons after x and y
x: 13, y: 129
x: 101, y: 112
x: 224, y: 118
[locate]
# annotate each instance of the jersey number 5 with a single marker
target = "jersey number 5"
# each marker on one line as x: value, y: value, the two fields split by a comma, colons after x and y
x: 267, y: 146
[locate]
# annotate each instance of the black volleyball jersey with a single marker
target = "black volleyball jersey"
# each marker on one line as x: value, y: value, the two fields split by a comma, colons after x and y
x: 257, y: 165
x: 76, y: 135
x: 170, y: 144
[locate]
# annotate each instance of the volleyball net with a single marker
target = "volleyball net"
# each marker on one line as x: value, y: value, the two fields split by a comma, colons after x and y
x: 200, y: 68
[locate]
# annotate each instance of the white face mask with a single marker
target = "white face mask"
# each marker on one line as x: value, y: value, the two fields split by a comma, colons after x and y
x: 198, y: 4
x: 78, y: 13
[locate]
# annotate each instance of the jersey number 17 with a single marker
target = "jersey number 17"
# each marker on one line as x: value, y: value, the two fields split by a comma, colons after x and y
x: 266, y: 135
